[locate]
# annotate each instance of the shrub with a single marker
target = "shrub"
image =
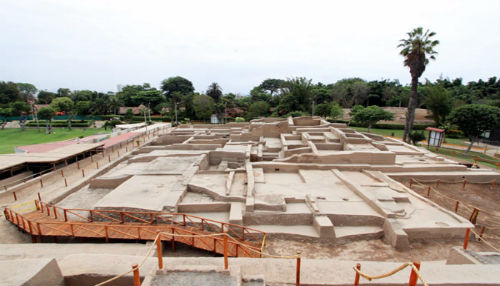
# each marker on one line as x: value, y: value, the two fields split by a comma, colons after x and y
x: 61, y: 123
x: 296, y: 114
x: 239, y: 119
x: 113, y: 122
x: 336, y: 111
x: 417, y: 136
x: 454, y: 133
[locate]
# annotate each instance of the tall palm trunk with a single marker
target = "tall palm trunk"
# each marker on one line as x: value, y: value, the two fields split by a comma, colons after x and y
x: 412, y: 105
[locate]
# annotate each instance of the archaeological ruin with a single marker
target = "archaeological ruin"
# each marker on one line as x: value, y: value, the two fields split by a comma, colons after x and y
x: 301, y: 180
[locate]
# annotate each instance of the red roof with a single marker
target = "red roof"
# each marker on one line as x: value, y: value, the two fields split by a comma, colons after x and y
x: 118, y: 139
x: 435, y: 129
x: 46, y: 147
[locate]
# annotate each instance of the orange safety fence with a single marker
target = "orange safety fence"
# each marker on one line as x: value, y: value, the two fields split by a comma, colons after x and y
x: 89, y: 215
x: 157, y: 243
x: 415, y: 274
x: 474, y: 209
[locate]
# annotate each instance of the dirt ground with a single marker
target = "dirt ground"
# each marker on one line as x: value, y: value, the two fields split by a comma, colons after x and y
x: 421, y: 115
x: 479, y: 195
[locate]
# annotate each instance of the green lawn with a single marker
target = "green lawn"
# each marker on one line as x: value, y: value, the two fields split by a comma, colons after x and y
x: 490, y: 161
x: 445, y: 151
x: 11, y: 137
x: 399, y: 133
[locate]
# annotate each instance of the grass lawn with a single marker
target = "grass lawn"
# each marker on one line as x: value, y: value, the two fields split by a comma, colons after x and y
x: 468, y: 156
x: 445, y: 151
x: 399, y: 133
x: 11, y: 137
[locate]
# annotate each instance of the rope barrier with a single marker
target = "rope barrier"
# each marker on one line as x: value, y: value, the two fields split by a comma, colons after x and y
x: 475, y: 210
x: 392, y: 272
x: 471, y: 207
x: 485, y: 241
x: 158, y: 236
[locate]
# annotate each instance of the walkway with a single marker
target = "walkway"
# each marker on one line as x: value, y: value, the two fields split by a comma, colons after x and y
x: 195, y: 231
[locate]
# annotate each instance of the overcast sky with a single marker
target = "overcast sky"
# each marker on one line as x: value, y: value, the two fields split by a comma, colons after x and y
x: 99, y: 44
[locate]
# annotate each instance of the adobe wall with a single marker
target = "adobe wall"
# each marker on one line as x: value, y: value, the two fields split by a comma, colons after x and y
x: 344, y: 157
x: 15, y: 178
x: 215, y: 157
x: 269, y: 130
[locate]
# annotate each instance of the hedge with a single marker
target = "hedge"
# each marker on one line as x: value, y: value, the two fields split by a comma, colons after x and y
x: 453, y: 133
x: 382, y: 125
x: 137, y: 118
x: 60, y: 123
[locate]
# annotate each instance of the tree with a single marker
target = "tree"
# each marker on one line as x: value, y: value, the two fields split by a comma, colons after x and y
x: 177, y: 90
x: 439, y: 102
x: 62, y: 104
x: 47, y: 113
x: 203, y: 106
x: 21, y: 109
x: 475, y: 119
x: 128, y: 94
x: 350, y: 91
x: 271, y: 85
x: 355, y: 109
x: 63, y: 92
x: 258, y: 94
x: 150, y: 97
x: 178, y: 83
x: 371, y: 115
x: 4, y: 113
x: 66, y: 105
x: 100, y: 103
x: 258, y: 109
x: 336, y: 111
x: 83, y: 107
x: 45, y: 97
x: 9, y: 92
x: 143, y: 110
x: 27, y: 91
x: 415, y: 50
x: 115, y: 103
x: 129, y: 115
x: 323, y: 109
x: 214, y: 91
x: 297, y: 96
x: 80, y: 95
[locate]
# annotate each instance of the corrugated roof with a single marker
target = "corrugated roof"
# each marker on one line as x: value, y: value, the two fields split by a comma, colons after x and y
x: 52, y: 156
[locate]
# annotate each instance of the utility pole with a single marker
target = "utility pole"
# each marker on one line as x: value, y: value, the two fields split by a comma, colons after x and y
x: 175, y: 104
x: 149, y: 111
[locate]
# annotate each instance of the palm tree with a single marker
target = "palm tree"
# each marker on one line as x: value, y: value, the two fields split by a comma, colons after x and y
x: 215, y: 92
x: 417, y: 49
x: 114, y: 103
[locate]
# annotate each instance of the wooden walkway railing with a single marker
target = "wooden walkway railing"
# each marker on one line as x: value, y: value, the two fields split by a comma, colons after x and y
x: 55, y: 221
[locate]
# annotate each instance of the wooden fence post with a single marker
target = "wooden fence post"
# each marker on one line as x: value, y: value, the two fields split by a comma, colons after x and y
x: 356, y: 278
x: 413, y: 274
x: 160, y: 253
x: 466, y: 238
x: 297, y: 274
x: 226, y: 263
x: 137, y: 278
